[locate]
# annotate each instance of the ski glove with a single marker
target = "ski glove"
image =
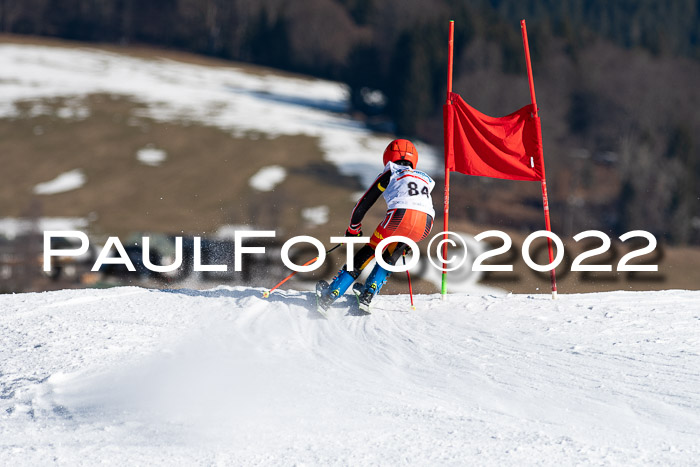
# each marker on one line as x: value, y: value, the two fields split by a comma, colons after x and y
x: 350, y: 232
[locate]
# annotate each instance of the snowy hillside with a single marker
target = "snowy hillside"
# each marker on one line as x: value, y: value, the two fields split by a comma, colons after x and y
x: 230, y: 98
x: 224, y: 377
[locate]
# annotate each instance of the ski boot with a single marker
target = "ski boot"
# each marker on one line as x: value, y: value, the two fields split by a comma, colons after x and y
x: 363, y: 298
x: 326, y: 294
x: 323, y: 298
x: 365, y: 293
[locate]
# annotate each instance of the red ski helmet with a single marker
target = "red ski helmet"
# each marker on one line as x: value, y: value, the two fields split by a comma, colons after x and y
x: 401, y: 150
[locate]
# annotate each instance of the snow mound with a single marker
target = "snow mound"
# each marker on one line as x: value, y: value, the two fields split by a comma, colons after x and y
x: 267, y: 178
x: 317, y: 215
x: 151, y: 156
x: 68, y: 181
x: 222, y: 376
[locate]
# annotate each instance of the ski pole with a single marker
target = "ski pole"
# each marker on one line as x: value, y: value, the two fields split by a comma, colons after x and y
x: 267, y: 292
x: 410, y: 287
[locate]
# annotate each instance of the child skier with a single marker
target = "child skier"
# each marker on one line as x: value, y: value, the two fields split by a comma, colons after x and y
x: 409, y: 213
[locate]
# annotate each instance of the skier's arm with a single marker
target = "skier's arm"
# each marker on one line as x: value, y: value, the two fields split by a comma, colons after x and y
x: 366, y: 201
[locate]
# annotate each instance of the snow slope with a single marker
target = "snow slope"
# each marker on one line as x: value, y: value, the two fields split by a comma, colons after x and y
x: 224, y: 377
x: 229, y: 98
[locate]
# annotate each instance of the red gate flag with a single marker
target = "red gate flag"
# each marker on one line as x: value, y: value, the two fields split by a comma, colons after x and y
x: 508, y: 147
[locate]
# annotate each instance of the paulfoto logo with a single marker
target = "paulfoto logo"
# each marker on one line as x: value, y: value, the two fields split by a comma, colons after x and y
x: 452, y: 243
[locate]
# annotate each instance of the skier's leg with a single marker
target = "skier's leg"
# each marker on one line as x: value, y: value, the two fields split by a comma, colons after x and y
x: 415, y: 225
x: 345, y: 278
x: 392, y: 257
x: 378, y: 277
x: 363, y: 257
x: 412, y: 224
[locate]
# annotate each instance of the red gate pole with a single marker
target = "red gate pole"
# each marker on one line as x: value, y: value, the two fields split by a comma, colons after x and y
x: 545, y: 201
x: 448, y: 150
